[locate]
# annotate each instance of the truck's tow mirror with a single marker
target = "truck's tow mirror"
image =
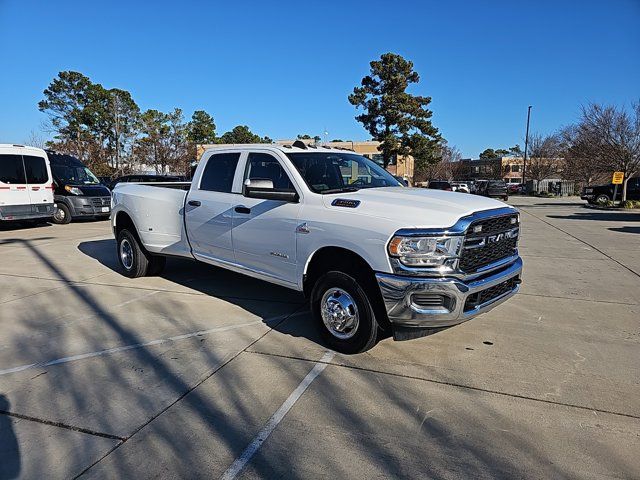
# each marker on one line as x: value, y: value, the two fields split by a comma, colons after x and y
x: 263, y: 188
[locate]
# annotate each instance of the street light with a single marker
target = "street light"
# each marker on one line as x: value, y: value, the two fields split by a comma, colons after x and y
x: 526, y: 145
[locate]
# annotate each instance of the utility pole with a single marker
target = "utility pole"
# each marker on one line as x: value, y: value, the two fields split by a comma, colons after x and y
x: 526, y: 145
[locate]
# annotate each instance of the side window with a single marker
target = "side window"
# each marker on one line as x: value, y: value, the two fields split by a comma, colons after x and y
x: 12, y: 169
x: 219, y: 171
x: 267, y: 167
x: 36, y: 169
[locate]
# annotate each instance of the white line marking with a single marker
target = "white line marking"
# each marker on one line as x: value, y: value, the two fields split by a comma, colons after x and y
x: 124, y: 348
x: 237, y: 466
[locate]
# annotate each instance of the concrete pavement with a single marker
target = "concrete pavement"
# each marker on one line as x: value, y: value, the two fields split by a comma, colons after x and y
x: 103, y: 376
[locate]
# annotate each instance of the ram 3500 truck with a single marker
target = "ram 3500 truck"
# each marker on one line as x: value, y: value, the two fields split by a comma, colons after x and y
x: 369, y: 253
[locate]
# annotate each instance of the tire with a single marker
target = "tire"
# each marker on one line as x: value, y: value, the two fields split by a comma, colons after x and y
x: 602, y: 198
x: 62, y: 214
x: 351, y: 304
x: 134, y: 260
x: 505, y: 198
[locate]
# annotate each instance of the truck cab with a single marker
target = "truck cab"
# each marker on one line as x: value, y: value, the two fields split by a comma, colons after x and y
x: 369, y: 253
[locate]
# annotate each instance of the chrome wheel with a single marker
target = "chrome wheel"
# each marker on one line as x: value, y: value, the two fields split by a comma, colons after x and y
x: 59, y: 215
x: 126, y: 254
x: 339, y: 313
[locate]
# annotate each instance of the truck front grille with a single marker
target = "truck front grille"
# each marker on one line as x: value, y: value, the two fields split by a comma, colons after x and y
x: 490, y: 293
x: 488, y: 241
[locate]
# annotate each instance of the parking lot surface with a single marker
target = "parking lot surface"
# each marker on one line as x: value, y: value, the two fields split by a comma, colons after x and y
x: 202, y: 373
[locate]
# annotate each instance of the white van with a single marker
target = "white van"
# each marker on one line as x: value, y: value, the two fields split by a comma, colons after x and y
x: 26, y: 184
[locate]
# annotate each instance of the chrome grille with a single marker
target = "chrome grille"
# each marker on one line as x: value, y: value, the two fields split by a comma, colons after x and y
x: 488, y: 241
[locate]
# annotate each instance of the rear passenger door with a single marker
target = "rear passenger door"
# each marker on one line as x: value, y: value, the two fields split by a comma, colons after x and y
x: 209, y: 209
x: 13, y: 183
x: 38, y: 179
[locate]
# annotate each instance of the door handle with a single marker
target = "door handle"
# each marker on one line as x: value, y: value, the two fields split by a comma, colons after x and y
x: 241, y: 209
x: 194, y: 203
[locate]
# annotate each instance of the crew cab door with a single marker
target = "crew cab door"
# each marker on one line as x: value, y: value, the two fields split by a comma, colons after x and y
x: 209, y: 208
x: 264, y: 231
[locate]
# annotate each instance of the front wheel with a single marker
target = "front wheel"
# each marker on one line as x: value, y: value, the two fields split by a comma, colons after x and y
x: 62, y: 214
x: 134, y: 260
x: 344, y: 314
x: 602, y: 198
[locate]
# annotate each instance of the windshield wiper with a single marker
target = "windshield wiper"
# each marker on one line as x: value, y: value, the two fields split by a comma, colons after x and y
x: 340, y: 190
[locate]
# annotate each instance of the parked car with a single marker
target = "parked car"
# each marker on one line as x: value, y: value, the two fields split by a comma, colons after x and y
x: 493, y: 188
x: 604, y: 193
x: 367, y: 253
x: 77, y: 191
x: 440, y: 185
x: 513, y: 188
x: 26, y: 185
x: 460, y: 187
x: 144, y: 178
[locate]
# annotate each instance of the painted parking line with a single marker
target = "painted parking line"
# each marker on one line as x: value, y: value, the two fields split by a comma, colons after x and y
x: 237, y: 466
x: 124, y: 348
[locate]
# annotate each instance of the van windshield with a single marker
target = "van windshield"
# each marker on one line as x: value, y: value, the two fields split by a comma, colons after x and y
x: 74, y: 175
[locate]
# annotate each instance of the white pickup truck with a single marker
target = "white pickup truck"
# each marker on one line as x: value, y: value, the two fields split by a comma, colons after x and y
x: 369, y: 253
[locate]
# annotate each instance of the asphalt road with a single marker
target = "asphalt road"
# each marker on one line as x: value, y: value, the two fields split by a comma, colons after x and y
x: 201, y: 373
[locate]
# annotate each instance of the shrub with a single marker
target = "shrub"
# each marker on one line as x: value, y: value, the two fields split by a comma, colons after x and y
x: 630, y: 204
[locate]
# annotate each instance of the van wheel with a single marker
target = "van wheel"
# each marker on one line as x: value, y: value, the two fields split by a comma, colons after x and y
x: 344, y: 313
x: 505, y: 198
x: 134, y: 261
x: 62, y: 215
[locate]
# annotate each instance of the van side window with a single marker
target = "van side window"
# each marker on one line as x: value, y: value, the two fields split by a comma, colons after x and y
x: 12, y: 169
x: 36, y: 169
x: 219, y: 172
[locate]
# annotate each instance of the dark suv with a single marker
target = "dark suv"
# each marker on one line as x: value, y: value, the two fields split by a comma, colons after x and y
x: 493, y: 188
x: 77, y: 191
x: 604, y: 193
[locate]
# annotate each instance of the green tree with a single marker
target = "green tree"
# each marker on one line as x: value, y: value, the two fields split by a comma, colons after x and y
x: 242, y: 134
x: 394, y: 117
x: 304, y: 137
x: 201, y: 129
x: 488, y: 153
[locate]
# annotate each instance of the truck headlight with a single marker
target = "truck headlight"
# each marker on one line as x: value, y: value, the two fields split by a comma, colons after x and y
x: 73, y: 190
x: 424, y: 251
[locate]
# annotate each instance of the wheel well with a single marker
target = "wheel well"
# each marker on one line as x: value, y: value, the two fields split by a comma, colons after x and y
x: 343, y: 260
x: 123, y: 221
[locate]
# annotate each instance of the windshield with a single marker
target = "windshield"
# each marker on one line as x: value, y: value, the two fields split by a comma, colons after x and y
x: 74, y: 175
x: 331, y: 172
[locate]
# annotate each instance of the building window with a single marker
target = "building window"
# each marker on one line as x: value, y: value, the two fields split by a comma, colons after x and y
x: 515, y: 168
x: 476, y: 169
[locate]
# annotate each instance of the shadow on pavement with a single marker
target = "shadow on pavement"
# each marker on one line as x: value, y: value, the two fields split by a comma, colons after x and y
x: 626, y: 229
x: 600, y: 215
x: 241, y: 290
x: 9, y: 450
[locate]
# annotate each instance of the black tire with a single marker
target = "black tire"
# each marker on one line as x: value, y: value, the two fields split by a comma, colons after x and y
x: 505, y: 198
x: 364, y: 335
x: 62, y: 214
x: 602, y: 198
x: 134, y: 260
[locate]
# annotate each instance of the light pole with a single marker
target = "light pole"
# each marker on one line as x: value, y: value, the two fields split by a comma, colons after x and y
x: 526, y: 145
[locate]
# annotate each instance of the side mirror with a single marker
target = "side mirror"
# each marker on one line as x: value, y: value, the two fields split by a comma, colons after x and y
x: 262, y: 188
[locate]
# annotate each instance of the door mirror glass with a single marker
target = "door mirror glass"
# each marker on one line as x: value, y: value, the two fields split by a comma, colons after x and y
x: 263, y: 188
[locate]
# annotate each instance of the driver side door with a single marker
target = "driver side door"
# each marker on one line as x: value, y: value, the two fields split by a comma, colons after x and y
x: 264, y: 231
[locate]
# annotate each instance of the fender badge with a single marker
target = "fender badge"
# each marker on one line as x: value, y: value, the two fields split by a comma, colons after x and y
x: 345, y: 202
x: 303, y: 228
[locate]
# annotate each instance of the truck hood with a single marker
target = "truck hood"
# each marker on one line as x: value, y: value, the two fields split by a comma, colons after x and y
x: 413, y: 207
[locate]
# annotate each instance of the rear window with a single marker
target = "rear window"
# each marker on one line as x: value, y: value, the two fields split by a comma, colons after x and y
x: 36, y: 169
x: 12, y: 169
x: 219, y: 172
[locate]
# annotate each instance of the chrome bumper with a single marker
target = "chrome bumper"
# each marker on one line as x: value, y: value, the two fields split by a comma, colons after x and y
x: 398, y: 291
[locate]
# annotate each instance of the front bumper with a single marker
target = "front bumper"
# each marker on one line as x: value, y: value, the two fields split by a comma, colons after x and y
x: 89, y: 206
x: 461, y: 300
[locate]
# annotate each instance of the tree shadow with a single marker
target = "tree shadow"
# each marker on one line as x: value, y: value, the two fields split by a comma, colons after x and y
x: 635, y: 230
x: 10, y: 463
x: 600, y: 215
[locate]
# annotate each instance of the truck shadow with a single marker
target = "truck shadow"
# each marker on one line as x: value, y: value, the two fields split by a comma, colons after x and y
x: 246, y: 292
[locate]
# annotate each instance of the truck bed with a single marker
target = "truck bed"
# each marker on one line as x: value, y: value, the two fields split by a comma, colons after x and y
x: 158, y: 208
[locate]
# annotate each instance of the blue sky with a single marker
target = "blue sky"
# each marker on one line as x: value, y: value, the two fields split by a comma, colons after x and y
x: 285, y: 68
